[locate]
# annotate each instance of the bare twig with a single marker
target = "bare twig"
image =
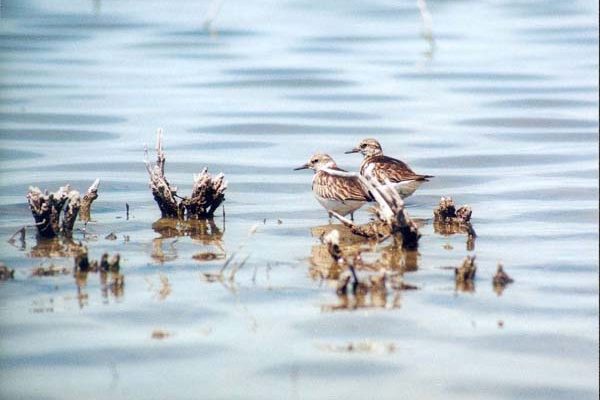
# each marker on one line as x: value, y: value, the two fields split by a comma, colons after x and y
x: 87, y: 200
x: 391, y: 215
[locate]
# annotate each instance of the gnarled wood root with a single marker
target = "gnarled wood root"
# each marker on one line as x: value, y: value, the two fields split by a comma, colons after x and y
x: 207, y: 193
x: 449, y: 220
x: 46, y: 209
x: 392, y: 218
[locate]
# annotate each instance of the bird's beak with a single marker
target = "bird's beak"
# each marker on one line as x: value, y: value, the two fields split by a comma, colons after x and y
x: 305, y: 166
x: 354, y: 150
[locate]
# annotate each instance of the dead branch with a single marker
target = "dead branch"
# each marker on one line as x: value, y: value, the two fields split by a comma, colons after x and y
x: 392, y: 218
x: 87, y: 200
x: 207, y: 193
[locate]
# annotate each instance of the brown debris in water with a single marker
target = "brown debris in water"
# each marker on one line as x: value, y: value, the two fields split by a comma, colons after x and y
x: 501, y: 280
x: 6, y: 273
x: 83, y: 264
x: 448, y: 220
x: 465, y: 275
x: 207, y: 192
x: 47, y: 209
x: 165, y: 288
x: 51, y: 270
x: 208, y: 256
x: 160, y: 334
x: 111, y: 236
x: 365, y: 346
x: 21, y: 238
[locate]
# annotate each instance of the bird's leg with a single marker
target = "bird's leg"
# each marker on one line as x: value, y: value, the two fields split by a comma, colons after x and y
x: 352, y: 216
x: 330, y: 216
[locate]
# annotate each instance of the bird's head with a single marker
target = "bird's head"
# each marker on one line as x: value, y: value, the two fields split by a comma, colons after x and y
x: 367, y: 147
x: 318, y: 161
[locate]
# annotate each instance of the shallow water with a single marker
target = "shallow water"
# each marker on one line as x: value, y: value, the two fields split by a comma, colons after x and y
x: 503, y: 110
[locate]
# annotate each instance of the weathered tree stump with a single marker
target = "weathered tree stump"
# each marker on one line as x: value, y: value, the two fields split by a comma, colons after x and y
x: 448, y: 220
x: 392, y: 218
x: 207, y: 193
x: 46, y: 209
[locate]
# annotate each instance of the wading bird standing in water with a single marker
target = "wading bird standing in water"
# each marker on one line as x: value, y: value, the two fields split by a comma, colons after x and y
x: 387, y: 170
x: 335, y: 189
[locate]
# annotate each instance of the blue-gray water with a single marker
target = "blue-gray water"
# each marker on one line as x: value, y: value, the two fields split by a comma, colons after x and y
x: 503, y: 110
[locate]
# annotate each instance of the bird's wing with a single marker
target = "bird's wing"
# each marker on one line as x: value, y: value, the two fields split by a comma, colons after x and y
x: 394, y: 170
x: 338, y: 188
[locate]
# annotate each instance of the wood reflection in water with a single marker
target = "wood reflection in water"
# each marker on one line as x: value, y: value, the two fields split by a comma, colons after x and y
x: 204, y: 231
x: 56, y: 248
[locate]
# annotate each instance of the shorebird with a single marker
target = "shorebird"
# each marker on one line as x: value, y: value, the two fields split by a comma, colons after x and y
x: 387, y: 170
x: 335, y: 189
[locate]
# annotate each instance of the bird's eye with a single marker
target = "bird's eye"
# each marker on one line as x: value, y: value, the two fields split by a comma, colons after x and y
x: 314, y: 160
x: 362, y: 146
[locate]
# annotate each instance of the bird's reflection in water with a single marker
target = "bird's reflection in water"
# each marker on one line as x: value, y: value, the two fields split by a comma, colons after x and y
x: 203, y: 231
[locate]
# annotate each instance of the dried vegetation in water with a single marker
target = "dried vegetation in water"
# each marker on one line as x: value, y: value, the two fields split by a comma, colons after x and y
x: 51, y: 270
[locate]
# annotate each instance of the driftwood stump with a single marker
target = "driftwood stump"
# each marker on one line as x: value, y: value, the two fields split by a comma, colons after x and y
x: 47, y: 207
x: 392, y: 218
x: 207, y: 193
x: 449, y: 220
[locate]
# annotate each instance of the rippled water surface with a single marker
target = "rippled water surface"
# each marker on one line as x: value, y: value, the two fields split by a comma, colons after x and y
x: 502, y: 108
